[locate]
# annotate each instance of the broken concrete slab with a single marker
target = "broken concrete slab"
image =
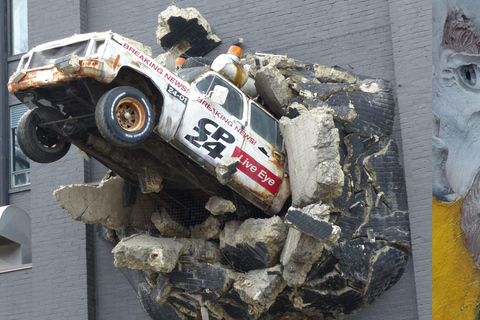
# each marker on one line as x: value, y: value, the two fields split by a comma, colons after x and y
x: 143, y: 252
x: 272, y: 86
x: 312, y: 142
x: 209, y: 229
x: 322, y: 91
x: 327, y: 74
x: 103, y: 204
x: 342, y: 113
x: 168, y: 227
x: 218, y: 206
x: 68, y: 64
x: 300, y: 252
x: 313, y: 219
x: 186, y: 29
x: 253, y: 244
x: 260, y: 288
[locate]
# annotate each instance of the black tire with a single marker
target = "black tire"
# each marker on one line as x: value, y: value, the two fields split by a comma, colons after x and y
x: 39, y: 144
x: 113, y: 113
x: 196, y: 62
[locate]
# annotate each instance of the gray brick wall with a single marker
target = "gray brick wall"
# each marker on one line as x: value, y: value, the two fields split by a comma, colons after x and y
x: 59, y: 283
x: 386, y: 39
x: 116, y: 297
x: 412, y: 43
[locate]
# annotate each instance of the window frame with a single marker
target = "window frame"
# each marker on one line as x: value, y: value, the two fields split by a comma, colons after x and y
x: 11, y: 22
x: 211, y: 77
x: 12, y: 151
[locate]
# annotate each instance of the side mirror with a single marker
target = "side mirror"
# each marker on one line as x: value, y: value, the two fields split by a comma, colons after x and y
x: 219, y: 94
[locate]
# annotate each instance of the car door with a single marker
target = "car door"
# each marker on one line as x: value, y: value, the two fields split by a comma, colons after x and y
x: 211, y: 131
x: 262, y: 158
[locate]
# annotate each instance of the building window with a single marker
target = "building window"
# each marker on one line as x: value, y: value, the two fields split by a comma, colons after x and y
x: 19, y: 26
x: 20, y: 164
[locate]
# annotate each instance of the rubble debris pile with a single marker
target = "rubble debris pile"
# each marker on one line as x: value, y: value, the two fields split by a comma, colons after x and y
x: 343, y: 242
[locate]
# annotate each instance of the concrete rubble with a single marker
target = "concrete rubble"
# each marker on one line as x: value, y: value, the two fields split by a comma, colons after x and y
x: 167, y: 226
x: 312, y: 141
x: 103, y: 204
x: 343, y: 242
x: 218, y: 206
x: 185, y: 31
x: 253, y: 244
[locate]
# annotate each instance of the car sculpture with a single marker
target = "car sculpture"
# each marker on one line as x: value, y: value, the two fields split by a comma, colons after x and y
x: 99, y: 92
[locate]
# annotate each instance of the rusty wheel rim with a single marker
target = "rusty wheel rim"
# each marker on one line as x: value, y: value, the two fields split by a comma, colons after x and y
x: 130, y: 114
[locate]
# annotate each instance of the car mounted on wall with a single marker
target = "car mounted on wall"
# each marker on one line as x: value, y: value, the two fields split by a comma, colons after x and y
x: 148, y: 124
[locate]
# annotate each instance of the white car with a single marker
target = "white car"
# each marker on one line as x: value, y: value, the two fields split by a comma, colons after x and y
x: 101, y: 93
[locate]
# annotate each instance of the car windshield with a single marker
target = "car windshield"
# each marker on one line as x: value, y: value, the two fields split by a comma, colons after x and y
x: 48, y: 56
x: 188, y: 74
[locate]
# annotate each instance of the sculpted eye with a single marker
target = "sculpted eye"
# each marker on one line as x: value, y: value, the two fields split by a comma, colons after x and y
x: 468, y: 75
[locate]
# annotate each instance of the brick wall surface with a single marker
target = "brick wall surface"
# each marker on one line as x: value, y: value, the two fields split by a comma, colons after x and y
x: 385, y: 39
x: 412, y: 42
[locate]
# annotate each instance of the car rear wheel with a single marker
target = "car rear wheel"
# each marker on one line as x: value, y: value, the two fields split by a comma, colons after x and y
x: 124, y: 116
x: 39, y: 144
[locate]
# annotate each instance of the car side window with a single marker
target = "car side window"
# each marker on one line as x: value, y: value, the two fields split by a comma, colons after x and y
x: 234, y: 102
x: 265, y: 126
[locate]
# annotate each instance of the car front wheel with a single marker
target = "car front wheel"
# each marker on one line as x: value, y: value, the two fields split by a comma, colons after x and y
x: 124, y: 116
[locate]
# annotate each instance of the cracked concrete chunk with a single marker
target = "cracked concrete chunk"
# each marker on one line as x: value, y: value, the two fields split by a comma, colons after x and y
x: 312, y: 142
x: 253, y: 244
x: 299, y: 254
x: 272, y: 86
x: 185, y: 28
x: 326, y: 74
x: 144, y: 252
x: 260, y: 288
x: 168, y: 227
x: 209, y: 229
x: 313, y: 219
x: 103, y: 204
x: 68, y: 64
x: 218, y: 206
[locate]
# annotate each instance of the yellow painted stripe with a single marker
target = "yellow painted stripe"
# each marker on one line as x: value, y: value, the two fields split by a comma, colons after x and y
x: 455, y: 276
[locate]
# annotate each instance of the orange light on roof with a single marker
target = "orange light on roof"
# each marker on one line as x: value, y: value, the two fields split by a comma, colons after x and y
x: 180, y: 61
x: 236, y: 50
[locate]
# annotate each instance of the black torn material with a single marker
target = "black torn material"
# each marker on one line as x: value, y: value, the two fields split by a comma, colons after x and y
x: 190, y: 31
x: 306, y: 223
x: 244, y: 257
